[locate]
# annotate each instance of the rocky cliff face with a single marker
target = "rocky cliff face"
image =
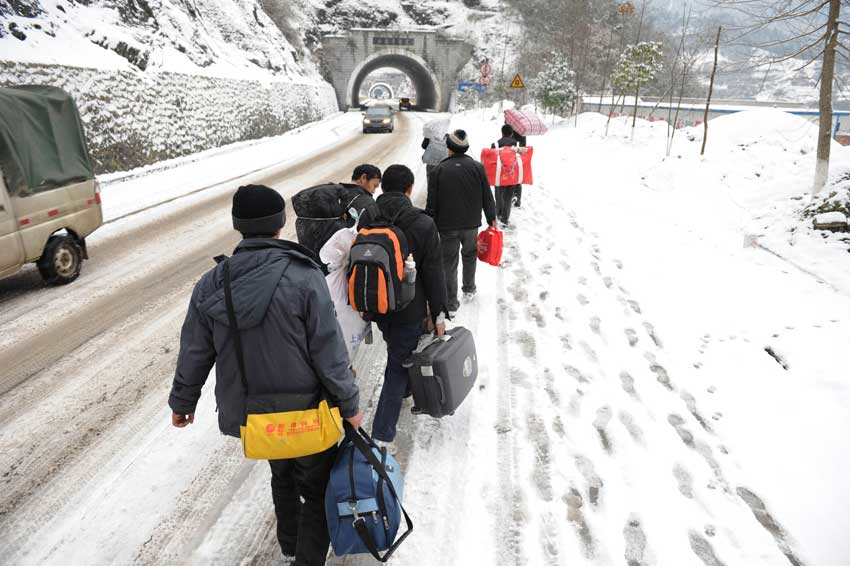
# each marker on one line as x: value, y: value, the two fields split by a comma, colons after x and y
x: 223, y: 38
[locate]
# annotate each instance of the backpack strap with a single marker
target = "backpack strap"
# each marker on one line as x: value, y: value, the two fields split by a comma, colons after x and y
x: 234, y: 327
x: 364, y: 444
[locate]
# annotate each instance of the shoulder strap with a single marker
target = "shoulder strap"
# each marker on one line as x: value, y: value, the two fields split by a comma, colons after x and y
x: 364, y: 444
x: 234, y: 325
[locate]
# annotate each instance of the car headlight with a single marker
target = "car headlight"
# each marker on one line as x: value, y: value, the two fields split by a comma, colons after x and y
x: 367, y: 121
x: 386, y: 120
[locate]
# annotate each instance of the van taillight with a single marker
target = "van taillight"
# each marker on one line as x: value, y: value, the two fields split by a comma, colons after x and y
x: 97, y: 193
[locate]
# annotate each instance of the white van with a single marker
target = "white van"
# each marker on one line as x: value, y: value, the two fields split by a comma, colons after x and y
x: 49, y: 198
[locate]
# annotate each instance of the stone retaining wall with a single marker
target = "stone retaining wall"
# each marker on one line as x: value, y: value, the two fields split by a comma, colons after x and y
x: 134, y: 118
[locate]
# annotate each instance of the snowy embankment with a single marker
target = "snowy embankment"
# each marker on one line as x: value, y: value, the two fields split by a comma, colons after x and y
x: 650, y: 389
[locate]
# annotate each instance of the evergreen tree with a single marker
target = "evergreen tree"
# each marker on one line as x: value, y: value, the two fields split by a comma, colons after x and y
x: 554, y: 87
x: 637, y: 66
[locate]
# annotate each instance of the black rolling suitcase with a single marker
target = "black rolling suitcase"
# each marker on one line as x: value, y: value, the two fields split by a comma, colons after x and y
x: 442, y: 372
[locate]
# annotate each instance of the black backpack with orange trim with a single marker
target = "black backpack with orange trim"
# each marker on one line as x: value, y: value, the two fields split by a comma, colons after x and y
x: 379, y: 282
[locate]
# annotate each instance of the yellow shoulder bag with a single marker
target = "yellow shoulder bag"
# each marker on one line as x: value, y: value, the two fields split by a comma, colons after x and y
x: 281, y: 425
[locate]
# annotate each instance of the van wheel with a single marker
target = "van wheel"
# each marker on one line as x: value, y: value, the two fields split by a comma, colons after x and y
x: 61, y: 261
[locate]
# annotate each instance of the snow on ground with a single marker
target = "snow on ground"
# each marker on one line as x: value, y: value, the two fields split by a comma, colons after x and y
x: 651, y: 391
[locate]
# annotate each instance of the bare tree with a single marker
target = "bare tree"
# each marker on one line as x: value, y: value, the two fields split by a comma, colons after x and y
x: 710, y: 92
x: 814, y: 32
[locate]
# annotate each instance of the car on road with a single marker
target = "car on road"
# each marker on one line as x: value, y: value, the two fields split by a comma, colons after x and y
x: 405, y: 104
x: 378, y: 119
x: 49, y: 197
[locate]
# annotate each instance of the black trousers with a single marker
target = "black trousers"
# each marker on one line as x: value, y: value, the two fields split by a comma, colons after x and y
x: 302, y: 528
x: 457, y: 243
x: 518, y: 195
x: 504, y: 202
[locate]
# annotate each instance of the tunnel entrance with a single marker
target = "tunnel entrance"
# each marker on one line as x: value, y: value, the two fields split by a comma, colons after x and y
x: 422, y: 81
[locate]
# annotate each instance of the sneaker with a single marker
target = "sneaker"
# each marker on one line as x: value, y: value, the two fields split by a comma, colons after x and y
x: 468, y: 296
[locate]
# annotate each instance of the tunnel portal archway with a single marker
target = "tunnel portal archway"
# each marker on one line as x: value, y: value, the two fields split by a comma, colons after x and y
x: 432, y: 59
x: 423, y: 78
x: 380, y: 91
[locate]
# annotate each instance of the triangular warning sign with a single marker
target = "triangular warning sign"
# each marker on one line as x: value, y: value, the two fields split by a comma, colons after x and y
x: 517, y: 82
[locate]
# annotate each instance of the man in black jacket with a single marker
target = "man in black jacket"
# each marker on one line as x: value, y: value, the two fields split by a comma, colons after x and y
x: 458, y: 190
x: 292, y: 345
x: 506, y: 194
x: 402, y: 329
x: 366, y: 179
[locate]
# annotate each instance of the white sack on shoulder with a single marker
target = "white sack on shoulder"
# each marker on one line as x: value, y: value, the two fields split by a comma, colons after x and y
x: 335, y: 253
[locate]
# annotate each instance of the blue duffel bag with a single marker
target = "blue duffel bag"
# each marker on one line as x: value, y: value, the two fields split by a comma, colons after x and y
x: 363, y: 499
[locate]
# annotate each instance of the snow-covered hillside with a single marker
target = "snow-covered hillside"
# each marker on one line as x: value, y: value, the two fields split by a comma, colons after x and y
x: 221, y: 38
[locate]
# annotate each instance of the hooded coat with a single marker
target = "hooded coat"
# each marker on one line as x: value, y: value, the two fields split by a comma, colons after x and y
x: 290, y: 336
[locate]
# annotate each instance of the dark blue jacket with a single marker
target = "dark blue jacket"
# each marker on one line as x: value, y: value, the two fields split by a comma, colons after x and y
x: 290, y: 335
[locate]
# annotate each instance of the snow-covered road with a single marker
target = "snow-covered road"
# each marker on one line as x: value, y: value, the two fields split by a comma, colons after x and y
x: 628, y: 411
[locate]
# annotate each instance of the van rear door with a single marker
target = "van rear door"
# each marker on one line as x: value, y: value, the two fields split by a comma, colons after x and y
x: 11, y: 247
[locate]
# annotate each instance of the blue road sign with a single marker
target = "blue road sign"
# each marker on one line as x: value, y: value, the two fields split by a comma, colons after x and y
x: 468, y: 86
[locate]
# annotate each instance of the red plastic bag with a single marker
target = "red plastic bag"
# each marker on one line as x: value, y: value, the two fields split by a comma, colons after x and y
x: 508, y: 166
x: 490, y: 246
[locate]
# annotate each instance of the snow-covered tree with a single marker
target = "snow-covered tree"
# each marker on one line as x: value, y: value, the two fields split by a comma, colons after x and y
x: 468, y: 99
x: 637, y: 66
x: 554, y: 87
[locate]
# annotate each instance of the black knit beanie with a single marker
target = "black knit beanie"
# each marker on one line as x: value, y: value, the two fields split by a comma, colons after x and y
x: 457, y: 141
x: 257, y: 209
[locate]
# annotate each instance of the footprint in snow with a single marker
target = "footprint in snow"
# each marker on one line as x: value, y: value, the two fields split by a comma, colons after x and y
x: 541, y: 473
x: 684, y: 480
x: 600, y: 423
x: 549, y: 532
x: 661, y: 375
x: 628, y: 383
x: 558, y: 426
x: 703, y: 549
x: 650, y: 330
x: 533, y: 313
x: 519, y: 378
x: 544, y: 295
x: 582, y: 300
x: 691, y: 403
x: 635, y: 539
x: 608, y: 282
x: 678, y: 423
x: 549, y: 379
x: 596, y: 325
x: 527, y: 344
x: 575, y: 516
x: 763, y: 516
x: 632, y: 336
x: 589, y: 352
x: 566, y: 340
x: 594, y: 482
x: 618, y: 263
x: 582, y: 280
x: 634, y: 306
x: 576, y: 374
x: 566, y: 266
x: 631, y: 426
x: 595, y: 267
